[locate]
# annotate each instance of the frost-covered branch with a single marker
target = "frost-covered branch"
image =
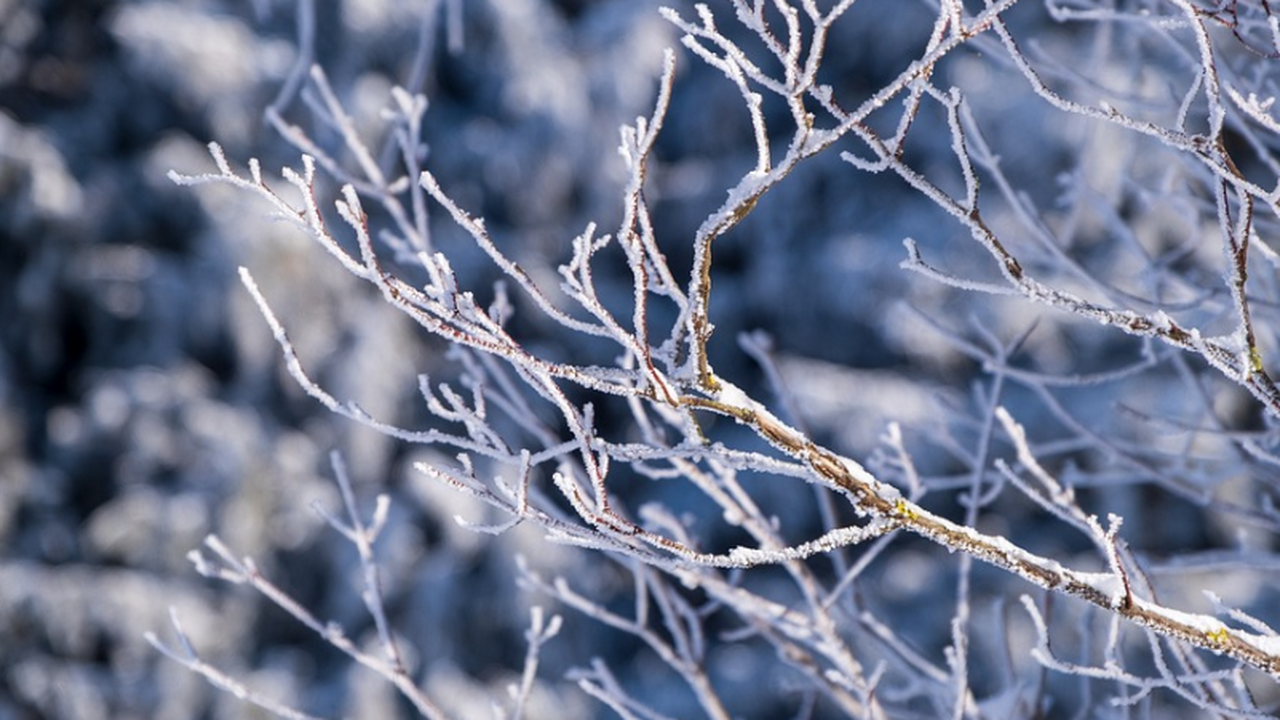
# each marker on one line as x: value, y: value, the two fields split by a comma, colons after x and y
x: 568, y: 436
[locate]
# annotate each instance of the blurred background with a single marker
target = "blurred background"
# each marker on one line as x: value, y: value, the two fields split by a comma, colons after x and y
x: 144, y: 405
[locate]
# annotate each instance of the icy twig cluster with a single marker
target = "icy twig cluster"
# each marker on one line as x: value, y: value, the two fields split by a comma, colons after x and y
x: 665, y: 377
